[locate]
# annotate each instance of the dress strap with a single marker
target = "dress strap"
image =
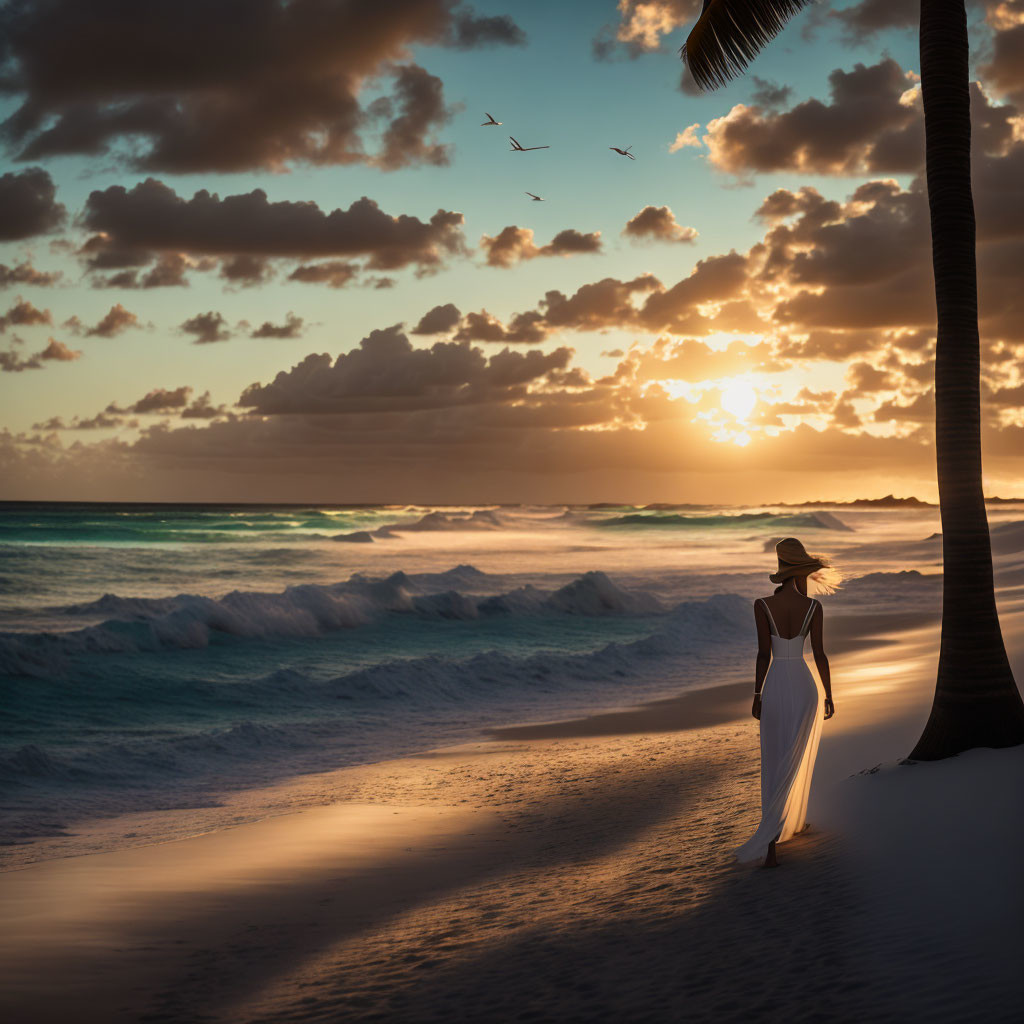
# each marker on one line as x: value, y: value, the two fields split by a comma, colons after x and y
x: 771, y: 621
x: 807, y: 618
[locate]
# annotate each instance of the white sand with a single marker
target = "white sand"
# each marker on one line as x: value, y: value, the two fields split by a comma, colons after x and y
x: 579, y: 871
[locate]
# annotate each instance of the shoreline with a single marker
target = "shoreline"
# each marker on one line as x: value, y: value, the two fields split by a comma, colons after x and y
x: 585, y: 869
x: 705, y: 705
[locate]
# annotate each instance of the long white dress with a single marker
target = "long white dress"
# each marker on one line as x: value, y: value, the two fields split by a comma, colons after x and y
x: 792, y: 704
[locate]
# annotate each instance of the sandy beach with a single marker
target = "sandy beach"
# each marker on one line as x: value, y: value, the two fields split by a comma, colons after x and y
x: 575, y: 870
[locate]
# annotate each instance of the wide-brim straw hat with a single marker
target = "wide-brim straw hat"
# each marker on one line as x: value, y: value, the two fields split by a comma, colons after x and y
x: 795, y: 561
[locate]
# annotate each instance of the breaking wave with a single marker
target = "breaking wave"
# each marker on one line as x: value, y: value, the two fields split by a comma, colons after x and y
x: 191, y: 621
x: 776, y: 520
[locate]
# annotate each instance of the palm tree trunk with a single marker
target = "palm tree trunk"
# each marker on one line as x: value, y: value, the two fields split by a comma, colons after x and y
x: 977, y: 703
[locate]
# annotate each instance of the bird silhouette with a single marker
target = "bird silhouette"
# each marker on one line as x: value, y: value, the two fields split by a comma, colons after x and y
x: 623, y: 152
x: 523, y: 149
x: 536, y: 199
x: 489, y: 121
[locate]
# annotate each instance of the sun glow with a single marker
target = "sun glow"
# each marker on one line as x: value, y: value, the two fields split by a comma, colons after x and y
x: 739, y: 398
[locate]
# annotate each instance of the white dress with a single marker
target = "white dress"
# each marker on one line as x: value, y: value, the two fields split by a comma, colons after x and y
x: 792, y: 704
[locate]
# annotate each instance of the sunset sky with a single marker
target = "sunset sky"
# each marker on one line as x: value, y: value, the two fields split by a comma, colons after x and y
x: 263, y: 251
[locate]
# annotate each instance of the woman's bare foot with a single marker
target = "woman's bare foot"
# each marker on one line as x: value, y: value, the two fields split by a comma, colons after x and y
x: 769, y: 860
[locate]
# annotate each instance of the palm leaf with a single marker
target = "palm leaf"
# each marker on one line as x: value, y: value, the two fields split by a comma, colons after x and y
x: 730, y: 33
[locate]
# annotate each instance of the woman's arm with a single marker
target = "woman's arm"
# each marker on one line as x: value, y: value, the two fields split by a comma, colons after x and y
x: 764, y: 655
x: 820, y: 659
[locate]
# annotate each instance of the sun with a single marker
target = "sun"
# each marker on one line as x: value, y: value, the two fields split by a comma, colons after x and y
x: 739, y: 398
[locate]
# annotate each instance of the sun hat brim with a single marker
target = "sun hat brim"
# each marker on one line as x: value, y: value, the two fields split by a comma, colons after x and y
x: 802, y: 569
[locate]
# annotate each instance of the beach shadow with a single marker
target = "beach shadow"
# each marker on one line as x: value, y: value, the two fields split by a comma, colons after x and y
x: 754, y: 945
x: 202, y: 960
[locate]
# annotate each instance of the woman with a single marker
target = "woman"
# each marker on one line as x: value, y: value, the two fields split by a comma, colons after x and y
x: 787, y: 699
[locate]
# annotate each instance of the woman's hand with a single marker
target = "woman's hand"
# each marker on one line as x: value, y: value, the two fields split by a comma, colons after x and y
x: 756, y: 709
x: 830, y: 708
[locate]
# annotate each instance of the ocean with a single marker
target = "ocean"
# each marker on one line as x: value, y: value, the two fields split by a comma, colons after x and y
x: 157, y: 657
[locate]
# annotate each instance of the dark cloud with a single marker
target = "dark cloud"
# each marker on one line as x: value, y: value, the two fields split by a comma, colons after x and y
x: 417, y: 107
x: 644, y: 302
x: 335, y: 273
x: 514, y: 244
x: 206, y: 328
x: 101, y: 421
x: 658, y: 223
x: 55, y: 351
x: 25, y: 273
x: 874, y: 123
x: 868, y: 126
x: 769, y: 94
x: 24, y: 314
x: 116, y: 321
x: 231, y: 85
x: 246, y: 270
x: 158, y: 400
x: 202, y: 408
x: 439, y: 320
x: 861, y: 21
x: 523, y: 328
x: 467, y: 31
x: 291, y: 328
x: 28, y: 203
x: 167, y: 272
x: 386, y: 373
x: 134, y: 225
x: 1005, y: 70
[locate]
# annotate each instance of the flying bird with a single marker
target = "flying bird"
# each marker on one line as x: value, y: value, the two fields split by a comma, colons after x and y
x: 623, y: 152
x: 536, y: 199
x: 524, y: 149
x: 490, y: 120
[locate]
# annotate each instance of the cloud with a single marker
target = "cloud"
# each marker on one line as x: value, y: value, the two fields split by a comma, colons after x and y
x: 419, y: 102
x: 55, y: 351
x: 25, y: 273
x: 874, y: 123
x: 158, y: 400
x: 439, y: 320
x: 868, y: 126
x: 101, y: 421
x: 861, y: 21
x: 24, y: 314
x: 687, y: 138
x: 515, y: 244
x: 523, y: 328
x: 467, y: 31
x: 291, y: 328
x: 642, y: 23
x: 769, y: 94
x: 202, y: 408
x: 133, y: 226
x: 167, y: 272
x: 224, y: 86
x: 658, y: 223
x: 1004, y: 70
x: 116, y: 321
x: 206, y: 328
x: 335, y: 273
x: 28, y: 204
x: 246, y: 270
x: 386, y: 373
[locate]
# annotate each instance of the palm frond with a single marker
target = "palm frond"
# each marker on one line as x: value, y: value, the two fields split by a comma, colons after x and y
x: 729, y: 34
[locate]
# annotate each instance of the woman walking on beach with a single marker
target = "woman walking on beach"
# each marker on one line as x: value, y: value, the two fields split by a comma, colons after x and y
x: 787, y: 699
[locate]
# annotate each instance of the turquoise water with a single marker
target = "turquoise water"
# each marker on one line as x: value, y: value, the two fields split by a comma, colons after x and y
x: 162, y: 655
